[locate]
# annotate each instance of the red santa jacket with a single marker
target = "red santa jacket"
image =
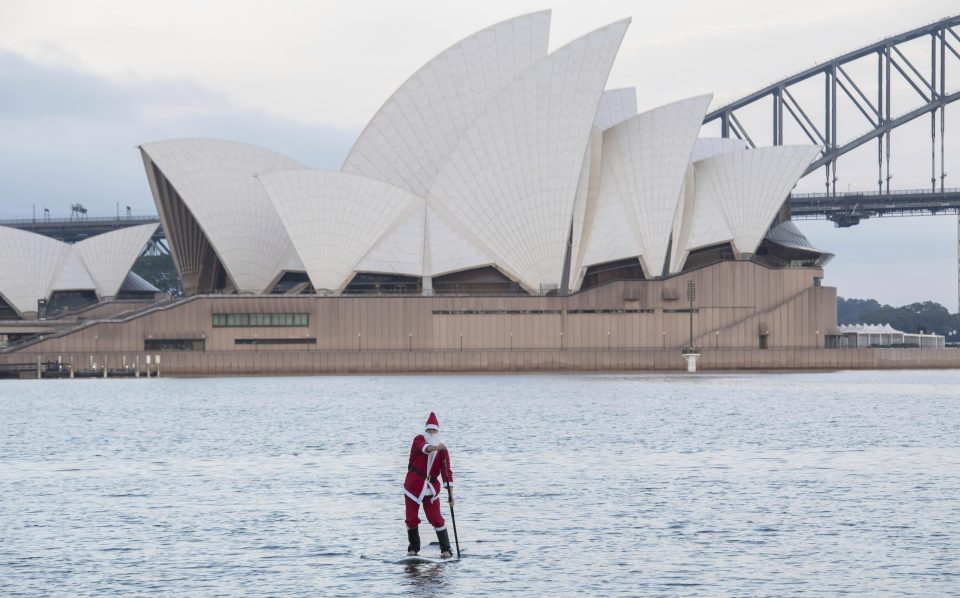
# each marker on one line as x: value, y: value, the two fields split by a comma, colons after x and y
x: 423, y: 464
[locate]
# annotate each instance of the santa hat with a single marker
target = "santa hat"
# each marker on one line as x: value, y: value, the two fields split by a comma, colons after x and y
x: 432, y: 423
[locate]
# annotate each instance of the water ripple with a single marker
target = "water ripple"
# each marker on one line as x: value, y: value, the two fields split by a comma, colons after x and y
x: 641, y: 485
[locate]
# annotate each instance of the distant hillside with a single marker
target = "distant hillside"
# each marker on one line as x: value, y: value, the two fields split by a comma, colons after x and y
x: 927, y: 316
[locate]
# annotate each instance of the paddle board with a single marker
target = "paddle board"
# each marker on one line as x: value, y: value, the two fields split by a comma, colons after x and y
x: 418, y: 560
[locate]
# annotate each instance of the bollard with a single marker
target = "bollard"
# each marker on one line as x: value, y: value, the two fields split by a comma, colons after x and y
x: 39, y: 371
x: 692, y: 359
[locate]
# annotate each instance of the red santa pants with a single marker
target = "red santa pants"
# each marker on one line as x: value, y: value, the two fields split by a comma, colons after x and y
x: 430, y: 507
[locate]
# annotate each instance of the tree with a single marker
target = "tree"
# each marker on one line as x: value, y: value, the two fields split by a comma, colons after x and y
x: 927, y: 316
x: 159, y: 271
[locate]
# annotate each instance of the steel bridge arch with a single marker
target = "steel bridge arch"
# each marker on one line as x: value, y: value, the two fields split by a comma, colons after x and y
x: 890, y: 58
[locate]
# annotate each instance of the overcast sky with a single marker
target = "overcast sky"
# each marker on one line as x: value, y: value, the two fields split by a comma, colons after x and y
x: 83, y: 83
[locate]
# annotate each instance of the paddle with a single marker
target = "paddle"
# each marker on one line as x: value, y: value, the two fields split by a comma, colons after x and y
x: 453, y: 518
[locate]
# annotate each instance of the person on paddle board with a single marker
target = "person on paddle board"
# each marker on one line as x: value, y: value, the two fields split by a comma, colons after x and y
x: 429, y: 460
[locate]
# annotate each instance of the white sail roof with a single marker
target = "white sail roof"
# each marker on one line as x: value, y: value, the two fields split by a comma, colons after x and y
x: 334, y: 219
x: 73, y: 274
x: 450, y: 246
x: 109, y: 257
x: 612, y: 231
x: 616, y: 106
x: 30, y: 265
x: 647, y: 157
x: 409, y: 139
x: 708, y: 226
x: 749, y: 187
x: 513, y: 175
x: 133, y: 282
x: 400, y: 250
x: 707, y: 147
x: 585, y: 204
x: 788, y: 234
x: 215, y: 179
x: 704, y: 147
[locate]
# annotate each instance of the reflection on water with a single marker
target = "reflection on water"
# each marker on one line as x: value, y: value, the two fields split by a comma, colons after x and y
x: 428, y: 576
x: 648, y: 484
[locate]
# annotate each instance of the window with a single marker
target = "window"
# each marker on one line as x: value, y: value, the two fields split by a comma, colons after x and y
x: 610, y: 311
x: 275, y: 341
x: 174, y: 344
x: 259, y: 320
x: 493, y: 312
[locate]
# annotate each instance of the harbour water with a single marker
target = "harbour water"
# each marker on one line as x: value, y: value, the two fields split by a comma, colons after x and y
x: 800, y: 484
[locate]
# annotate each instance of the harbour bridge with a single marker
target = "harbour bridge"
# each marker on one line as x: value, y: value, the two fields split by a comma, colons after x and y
x: 865, y: 82
x: 857, y: 86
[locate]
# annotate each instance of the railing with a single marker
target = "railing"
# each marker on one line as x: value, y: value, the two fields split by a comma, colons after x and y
x: 91, y: 220
x: 898, y: 193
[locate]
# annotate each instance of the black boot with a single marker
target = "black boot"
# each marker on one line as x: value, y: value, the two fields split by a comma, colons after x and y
x: 444, y: 538
x: 413, y: 535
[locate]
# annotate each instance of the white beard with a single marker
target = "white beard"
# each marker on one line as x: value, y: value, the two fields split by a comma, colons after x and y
x: 432, y: 439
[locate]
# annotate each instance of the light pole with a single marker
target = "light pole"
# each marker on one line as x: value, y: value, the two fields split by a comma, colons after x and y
x: 691, y: 295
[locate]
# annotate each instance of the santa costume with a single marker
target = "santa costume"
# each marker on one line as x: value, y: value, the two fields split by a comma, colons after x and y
x: 422, y: 485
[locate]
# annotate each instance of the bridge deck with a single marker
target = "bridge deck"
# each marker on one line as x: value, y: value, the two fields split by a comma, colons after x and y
x: 845, y: 209
x: 848, y: 209
x: 71, y: 230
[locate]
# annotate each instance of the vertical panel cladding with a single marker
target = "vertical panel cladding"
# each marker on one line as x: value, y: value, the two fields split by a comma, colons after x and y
x: 366, y: 322
x: 403, y: 325
x: 373, y: 324
x: 383, y: 321
x: 527, y: 331
x: 390, y: 335
x: 348, y: 324
x: 358, y: 321
x: 417, y: 322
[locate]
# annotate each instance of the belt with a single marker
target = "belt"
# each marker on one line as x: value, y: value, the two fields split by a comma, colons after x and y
x: 417, y: 471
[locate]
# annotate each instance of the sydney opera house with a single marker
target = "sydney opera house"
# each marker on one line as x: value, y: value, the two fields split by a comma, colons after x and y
x: 501, y: 200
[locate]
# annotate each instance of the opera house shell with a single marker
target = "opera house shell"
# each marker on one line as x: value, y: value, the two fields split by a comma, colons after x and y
x: 498, y: 166
x: 37, y: 269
